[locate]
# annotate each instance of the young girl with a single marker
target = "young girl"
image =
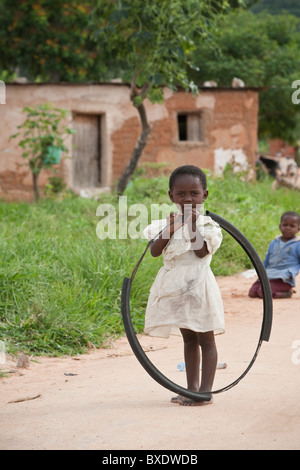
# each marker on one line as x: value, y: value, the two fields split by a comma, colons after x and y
x: 282, y: 261
x: 185, y: 294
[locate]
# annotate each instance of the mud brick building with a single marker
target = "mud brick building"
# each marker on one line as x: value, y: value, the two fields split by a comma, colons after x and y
x: 209, y: 129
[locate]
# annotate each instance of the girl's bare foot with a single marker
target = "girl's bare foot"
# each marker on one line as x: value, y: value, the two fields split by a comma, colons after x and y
x: 190, y: 402
x: 177, y: 399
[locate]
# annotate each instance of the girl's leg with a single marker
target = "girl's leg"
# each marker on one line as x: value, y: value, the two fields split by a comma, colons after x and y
x: 192, y: 358
x: 192, y: 363
x: 209, y: 360
x: 192, y: 343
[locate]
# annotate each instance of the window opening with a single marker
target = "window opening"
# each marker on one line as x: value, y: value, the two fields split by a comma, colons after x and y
x: 190, y: 127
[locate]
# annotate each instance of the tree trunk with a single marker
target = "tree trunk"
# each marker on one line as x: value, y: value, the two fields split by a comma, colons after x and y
x: 35, y: 186
x: 142, y: 140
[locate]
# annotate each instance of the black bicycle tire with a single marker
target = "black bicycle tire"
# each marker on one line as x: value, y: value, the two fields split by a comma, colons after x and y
x: 265, y: 327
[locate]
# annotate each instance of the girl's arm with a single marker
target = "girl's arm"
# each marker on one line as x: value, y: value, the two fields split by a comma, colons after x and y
x: 201, y: 252
x: 175, y: 222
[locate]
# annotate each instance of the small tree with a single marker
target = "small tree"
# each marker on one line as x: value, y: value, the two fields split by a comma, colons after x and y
x: 42, y: 138
x: 150, y: 43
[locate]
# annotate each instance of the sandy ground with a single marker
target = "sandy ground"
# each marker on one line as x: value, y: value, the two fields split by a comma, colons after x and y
x: 105, y: 400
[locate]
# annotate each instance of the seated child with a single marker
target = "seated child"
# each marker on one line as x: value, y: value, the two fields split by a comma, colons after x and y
x: 282, y: 260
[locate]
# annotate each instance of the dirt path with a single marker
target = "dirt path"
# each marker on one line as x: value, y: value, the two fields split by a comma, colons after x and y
x: 109, y: 402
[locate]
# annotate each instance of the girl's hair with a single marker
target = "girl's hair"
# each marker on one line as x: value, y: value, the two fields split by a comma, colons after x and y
x: 188, y: 170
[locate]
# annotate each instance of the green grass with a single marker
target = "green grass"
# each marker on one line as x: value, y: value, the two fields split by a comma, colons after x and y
x: 60, y: 286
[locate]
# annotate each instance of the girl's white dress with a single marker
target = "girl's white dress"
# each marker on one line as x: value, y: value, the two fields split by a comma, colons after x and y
x: 185, y: 293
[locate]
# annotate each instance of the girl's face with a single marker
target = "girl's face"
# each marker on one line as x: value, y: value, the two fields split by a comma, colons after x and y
x: 289, y: 227
x: 187, y: 190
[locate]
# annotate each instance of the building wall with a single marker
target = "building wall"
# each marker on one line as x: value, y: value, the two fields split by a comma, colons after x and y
x: 229, y: 128
x: 227, y: 132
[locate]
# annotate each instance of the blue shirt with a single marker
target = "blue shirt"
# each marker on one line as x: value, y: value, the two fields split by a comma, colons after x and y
x: 283, y: 260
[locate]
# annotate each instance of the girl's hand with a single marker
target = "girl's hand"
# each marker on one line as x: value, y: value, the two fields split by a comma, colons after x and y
x: 176, y: 221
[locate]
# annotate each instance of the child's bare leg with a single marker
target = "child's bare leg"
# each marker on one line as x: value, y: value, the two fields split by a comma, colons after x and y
x: 209, y: 360
x: 206, y: 341
x: 192, y: 362
x: 192, y: 359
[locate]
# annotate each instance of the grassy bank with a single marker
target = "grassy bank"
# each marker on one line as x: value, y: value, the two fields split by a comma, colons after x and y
x: 60, y: 285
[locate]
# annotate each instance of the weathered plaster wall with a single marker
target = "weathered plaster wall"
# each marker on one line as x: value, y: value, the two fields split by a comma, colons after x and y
x: 229, y: 129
